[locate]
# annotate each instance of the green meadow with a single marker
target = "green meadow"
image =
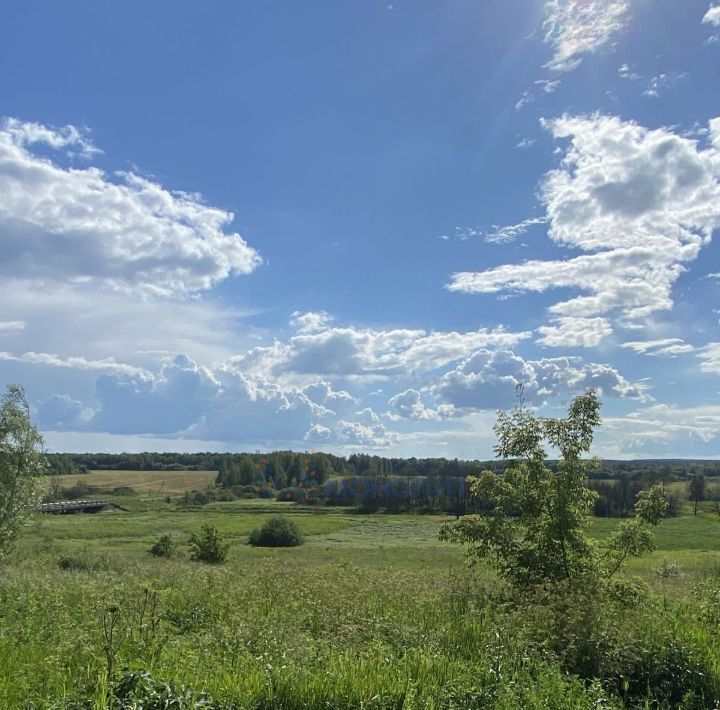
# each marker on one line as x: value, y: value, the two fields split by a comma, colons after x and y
x: 373, y: 611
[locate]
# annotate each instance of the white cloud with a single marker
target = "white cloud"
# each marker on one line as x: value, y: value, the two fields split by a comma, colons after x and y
x: 68, y: 318
x: 26, y: 133
x: 642, y: 202
x: 666, y: 429
x: 670, y: 347
x: 712, y: 16
x: 61, y: 412
x: 370, y: 353
x: 578, y: 27
x: 12, y: 325
x: 548, y: 86
x: 574, y: 332
x: 525, y: 143
x: 409, y: 405
x: 75, y: 363
x: 310, y: 322
x: 510, y: 232
x: 488, y: 380
x: 625, y: 72
x: 526, y: 98
x: 660, y: 83
x: 71, y: 224
x: 710, y: 358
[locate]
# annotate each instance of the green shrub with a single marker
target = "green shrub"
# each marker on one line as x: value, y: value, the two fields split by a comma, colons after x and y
x: 277, y: 532
x: 138, y: 690
x: 635, y: 648
x: 81, y: 562
x: 208, y: 545
x: 163, y: 547
x: 123, y: 491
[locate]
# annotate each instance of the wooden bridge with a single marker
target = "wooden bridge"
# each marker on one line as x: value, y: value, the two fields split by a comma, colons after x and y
x: 75, y: 506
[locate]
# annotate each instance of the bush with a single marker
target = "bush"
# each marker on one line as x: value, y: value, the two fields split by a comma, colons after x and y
x: 209, y: 545
x: 138, y: 689
x: 81, y: 562
x: 123, y: 491
x: 277, y: 532
x: 163, y: 547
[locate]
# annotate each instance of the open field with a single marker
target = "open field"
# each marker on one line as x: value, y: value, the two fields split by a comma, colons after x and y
x: 372, y: 612
x: 160, y: 482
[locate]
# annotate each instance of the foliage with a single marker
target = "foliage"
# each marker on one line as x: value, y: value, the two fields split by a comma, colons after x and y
x: 208, y: 545
x: 164, y: 546
x: 696, y: 490
x: 21, y: 464
x: 138, y: 690
x: 277, y: 532
x: 534, y: 528
x: 367, y: 617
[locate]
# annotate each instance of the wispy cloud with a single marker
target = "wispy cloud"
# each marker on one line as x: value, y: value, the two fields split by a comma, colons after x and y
x: 576, y: 28
x: 661, y: 83
x: 510, y: 232
x: 666, y: 347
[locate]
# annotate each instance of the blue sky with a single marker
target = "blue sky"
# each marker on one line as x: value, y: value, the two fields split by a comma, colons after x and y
x: 358, y: 225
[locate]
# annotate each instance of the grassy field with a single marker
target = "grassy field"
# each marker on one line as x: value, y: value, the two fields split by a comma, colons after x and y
x: 372, y: 612
x: 159, y: 482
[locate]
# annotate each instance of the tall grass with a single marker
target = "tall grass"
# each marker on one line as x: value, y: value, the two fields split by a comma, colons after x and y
x: 349, y: 620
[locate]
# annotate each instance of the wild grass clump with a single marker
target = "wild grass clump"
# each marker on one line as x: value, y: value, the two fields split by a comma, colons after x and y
x: 277, y: 532
x: 164, y: 546
x: 208, y: 545
x: 81, y: 562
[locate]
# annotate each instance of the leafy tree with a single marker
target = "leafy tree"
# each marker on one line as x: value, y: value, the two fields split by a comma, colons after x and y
x: 713, y: 494
x: 21, y: 464
x: 534, y: 528
x: 208, y: 545
x: 696, y: 490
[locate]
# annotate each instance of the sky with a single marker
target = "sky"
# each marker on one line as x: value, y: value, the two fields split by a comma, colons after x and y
x: 359, y: 225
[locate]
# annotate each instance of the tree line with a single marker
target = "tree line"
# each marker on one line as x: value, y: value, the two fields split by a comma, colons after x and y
x: 646, y: 470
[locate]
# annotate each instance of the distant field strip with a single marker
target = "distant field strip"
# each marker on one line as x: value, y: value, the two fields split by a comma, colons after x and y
x: 141, y: 481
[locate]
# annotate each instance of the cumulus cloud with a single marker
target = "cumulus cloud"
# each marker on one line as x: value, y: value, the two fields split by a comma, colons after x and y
x: 641, y: 202
x: 310, y: 322
x: 190, y: 401
x: 123, y: 231
x: 409, y: 405
x: 60, y: 412
x: 488, y: 380
x: 712, y: 16
x: 576, y: 28
x: 371, y: 353
x: 669, y: 347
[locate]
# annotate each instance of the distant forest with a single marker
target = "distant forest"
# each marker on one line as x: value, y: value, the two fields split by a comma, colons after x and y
x: 369, y: 482
x: 281, y: 467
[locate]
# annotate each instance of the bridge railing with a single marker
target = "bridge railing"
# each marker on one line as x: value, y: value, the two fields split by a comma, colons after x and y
x: 71, y: 506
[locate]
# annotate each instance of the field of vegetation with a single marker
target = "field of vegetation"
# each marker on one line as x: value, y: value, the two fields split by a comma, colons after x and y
x: 372, y: 611
x: 157, y: 482
x: 229, y: 596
